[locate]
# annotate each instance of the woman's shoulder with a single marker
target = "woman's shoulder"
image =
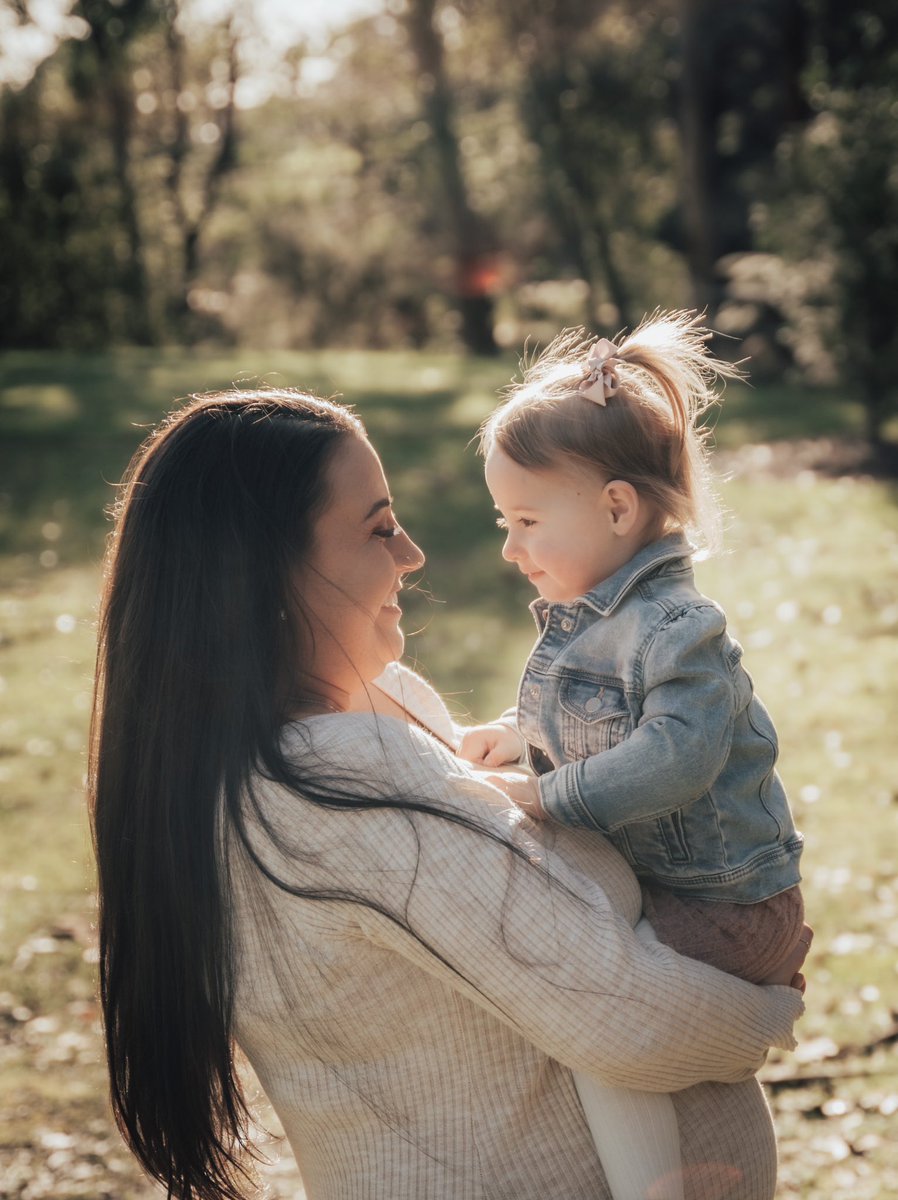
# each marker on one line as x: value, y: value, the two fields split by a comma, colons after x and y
x: 373, y: 752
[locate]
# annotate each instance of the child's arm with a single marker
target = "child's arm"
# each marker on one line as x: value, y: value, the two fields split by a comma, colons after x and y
x: 680, y: 745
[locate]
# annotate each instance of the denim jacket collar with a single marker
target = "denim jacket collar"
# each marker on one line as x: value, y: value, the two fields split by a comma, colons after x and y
x: 608, y: 594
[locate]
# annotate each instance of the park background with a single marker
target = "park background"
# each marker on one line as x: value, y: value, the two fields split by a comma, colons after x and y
x: 385, y: 200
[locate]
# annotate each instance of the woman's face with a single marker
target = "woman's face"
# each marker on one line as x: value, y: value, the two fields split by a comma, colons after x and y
x: 350, y: 582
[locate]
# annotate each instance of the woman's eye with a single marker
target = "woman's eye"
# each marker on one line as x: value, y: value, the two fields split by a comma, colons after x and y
x: 388, y: 531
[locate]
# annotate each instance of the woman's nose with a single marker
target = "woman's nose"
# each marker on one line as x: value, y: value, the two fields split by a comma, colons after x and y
x: 409, y: 557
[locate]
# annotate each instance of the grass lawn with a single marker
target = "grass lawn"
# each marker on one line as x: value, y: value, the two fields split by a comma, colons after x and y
x: 810, y: 582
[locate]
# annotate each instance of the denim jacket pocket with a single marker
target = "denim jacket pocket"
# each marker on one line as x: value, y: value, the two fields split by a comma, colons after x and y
x: 594, y: 714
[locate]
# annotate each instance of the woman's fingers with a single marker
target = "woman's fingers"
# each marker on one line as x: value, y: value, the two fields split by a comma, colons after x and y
x: 790, y: 968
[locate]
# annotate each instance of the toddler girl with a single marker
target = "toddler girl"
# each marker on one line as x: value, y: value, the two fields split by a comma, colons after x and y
x: 634, y: 710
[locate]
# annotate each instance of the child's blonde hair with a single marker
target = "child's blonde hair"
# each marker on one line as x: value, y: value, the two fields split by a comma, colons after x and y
x: 646, y: 433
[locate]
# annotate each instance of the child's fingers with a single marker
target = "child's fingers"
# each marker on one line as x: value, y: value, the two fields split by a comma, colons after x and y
x: 496, y: 757
x: 474, y: 748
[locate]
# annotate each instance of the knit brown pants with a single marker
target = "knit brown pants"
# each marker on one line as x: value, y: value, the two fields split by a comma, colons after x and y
x: 747, y: 940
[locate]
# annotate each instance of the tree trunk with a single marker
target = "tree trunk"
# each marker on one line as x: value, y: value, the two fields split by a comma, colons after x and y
x: 136, y: 284
x: 112, y: 26
x: 470, y: 241
x: 554, y: 30
x: 698, y: 153
x: 191, y: 218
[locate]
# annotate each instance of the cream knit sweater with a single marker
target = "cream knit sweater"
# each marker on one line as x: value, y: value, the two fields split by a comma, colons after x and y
x: 439, y: 1068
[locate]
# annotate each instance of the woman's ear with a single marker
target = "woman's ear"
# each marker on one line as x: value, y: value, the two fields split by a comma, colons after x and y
x: 621, y: 502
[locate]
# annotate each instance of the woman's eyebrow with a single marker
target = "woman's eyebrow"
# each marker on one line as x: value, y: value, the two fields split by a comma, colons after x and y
x: 377, y: 506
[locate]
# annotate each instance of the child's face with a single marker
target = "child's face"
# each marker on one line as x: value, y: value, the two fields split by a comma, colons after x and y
x: 563, y: 529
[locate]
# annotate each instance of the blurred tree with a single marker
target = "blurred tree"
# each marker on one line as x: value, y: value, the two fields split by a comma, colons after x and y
x: 851, y: 151
x: 473, y: 244
x: 625, y: 153
x: 330, y: 233
x: 114, y: 157
x: 570, y: 105
x: 739, y: 85
x: 59, y: 275
x: 101, y: 74
x: 193, y: 202
x: 834, y: 214
x: 565, y: 102
x: 593, y: 89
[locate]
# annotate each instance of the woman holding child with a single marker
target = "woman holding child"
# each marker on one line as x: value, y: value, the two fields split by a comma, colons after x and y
x: 292, y: 859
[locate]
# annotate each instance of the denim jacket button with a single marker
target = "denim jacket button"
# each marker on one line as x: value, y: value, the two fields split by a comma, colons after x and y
x: 534, y: 690
x: 567, y: 625
x: 592, y: 703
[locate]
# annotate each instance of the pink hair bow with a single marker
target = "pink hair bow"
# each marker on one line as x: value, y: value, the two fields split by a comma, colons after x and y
x: 601, y: 380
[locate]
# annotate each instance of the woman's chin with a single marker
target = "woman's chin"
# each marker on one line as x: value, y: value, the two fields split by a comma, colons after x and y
x: 397, y: 647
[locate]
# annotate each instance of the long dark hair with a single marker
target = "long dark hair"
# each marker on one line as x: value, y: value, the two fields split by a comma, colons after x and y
x: 216, y: 508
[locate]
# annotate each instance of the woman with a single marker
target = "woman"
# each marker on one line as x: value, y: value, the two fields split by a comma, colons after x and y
x: 289, y: 860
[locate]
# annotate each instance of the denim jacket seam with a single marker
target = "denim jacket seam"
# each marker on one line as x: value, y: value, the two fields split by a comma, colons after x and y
x: 773, y: 854
x: 669, y: 617
x: 675, y: 614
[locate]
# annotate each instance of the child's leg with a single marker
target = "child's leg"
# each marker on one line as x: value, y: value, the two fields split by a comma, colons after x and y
x: 635, y: 1133
x: 637, y: 1139
x: 747, y: 940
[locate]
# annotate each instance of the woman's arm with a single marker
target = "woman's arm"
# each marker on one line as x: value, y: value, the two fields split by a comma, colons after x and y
x: 540, y: 946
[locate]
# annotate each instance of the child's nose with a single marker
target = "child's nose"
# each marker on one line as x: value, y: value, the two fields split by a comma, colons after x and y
x: 509, y: 550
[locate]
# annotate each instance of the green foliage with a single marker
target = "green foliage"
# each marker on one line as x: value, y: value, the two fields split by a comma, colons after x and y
x: 834, y: 214
x: 158, y: 184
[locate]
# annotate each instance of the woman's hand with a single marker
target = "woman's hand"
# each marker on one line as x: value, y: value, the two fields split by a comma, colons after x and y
x: 788, y: 973
x: 490, y: 745
x: 522, y: 790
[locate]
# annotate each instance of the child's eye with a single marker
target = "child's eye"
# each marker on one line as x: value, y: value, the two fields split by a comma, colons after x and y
x: 526, y: 522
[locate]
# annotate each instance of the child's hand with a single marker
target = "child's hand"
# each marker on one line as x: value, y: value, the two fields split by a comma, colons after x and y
x: 490, y: 745
x: 788, y: 973
x: 522, y: 790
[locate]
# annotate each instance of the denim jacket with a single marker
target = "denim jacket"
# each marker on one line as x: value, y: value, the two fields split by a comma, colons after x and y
x: 643, y: 724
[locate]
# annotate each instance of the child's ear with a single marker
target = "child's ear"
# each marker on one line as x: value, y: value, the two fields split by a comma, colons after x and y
x: 621, y: 502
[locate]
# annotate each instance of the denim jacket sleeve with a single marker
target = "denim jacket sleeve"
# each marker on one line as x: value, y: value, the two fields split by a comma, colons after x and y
x: 682, y: 738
